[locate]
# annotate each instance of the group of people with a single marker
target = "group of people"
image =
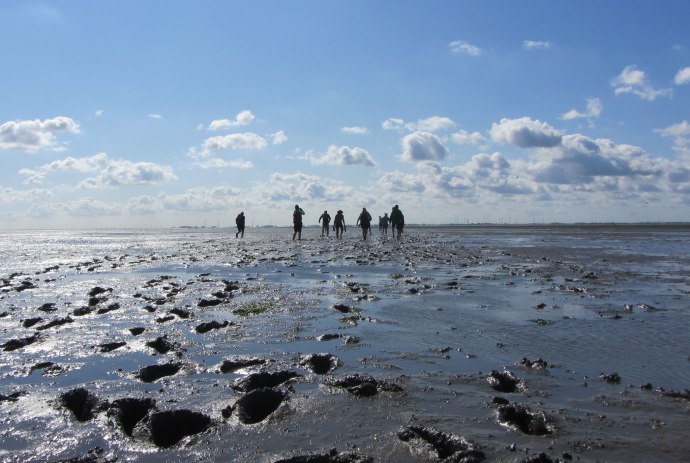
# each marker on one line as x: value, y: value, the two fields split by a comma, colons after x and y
x: 396, y: 219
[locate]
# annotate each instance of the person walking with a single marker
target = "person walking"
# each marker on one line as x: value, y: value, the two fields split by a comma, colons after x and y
x: 297, y: 222
x: 384, y: 224
x: 397, y: 221
x: 364, y: 221
x: 339, y: 224
x: 239, y: 221
x: 325, y: 220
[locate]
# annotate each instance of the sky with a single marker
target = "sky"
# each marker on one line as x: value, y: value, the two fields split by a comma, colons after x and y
x: 184, y: 113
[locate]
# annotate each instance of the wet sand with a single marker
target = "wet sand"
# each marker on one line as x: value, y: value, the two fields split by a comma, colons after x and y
x: 495, y: 343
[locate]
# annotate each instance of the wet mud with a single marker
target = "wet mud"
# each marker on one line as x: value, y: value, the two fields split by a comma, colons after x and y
x: 191, y: 345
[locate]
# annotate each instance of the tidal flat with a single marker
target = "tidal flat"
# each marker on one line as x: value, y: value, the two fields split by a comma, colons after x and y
x: 468, y: 343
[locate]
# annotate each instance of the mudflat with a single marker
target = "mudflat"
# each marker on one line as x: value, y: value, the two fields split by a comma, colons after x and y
x: 466, y: 343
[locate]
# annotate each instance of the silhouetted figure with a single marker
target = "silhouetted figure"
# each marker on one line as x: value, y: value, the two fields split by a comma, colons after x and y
x: 297, y: 222
x: 364, y: 221
x: 397, y: 221
x: 339, y: 224
x: 383, y: 224
x: 239, y: 221
x: 325, y: 220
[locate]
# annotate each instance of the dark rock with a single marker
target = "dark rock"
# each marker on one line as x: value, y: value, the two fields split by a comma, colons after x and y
x: 327, y: 337
x: 111, y: 346
x: 13, y: 397
x: 447, y: 447
x: 96, y: 290
x: 362, y: 385
x: 54, y: 323
x: 155, y: 372
x: 263, y: 379
x: 331, y: 457
x: 612, y: 378
x: 29, y: 322
x: 48, y: 307
x: 228, y: 366
x: 522, y: 418
x: 94, y: 301
x: 170, y: 427
x: 136, y: 331
x: 80, y: 402
x: 343, y: 308
x: 161, y: 345
x: 504, y: 381
x: 320, y: 364
x: 165, y: 319
x: 255, y: 406
x: 81, y: 311
x: 130, y: 411
x: 109, y: 308
x: 209, y: 302
x: 213, y: 325
x: 14, y: 344
x: 24, y: 285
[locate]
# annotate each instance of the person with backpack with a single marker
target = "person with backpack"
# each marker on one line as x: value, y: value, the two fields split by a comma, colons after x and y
x: 325, y: 220
x: 239, y: 221
x: 297, y: 222
x: 339, y: 224
x: 397, y: 221
x: 364, y: 221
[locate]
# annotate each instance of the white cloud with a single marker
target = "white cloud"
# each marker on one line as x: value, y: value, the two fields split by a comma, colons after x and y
x: 124, y: 173
x: 680, y: 133
x: 429, y: 124
x: 594, y: 109
x: 683, y: 76
x: 234, y: 141
x: 69, y: 164
x: 279, y: 137
x: 525, y: 133
x: 464, y: 137
x: 215, y: 198
x: 241, y: 119
x: 343, y: 156
x: 98, y: 113
x: 401, y: 182
x: 355, y: 130
x: 536, y: 45
x: 423, y: 146
x: 89, y: 207
x: 12, y: 196
x: 155, y: 116
x: 218, y: 163
x: 33, y: 135
x: 634, y: 81
x: 460, y: 46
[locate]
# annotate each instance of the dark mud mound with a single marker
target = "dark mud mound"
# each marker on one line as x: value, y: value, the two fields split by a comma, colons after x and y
x: 80, y: 402
x: 258, y: 404
x: 503, y: 381
x: 153, y: 373
x: 447, y: 447
x: 542, y: 458
x: 12, y: 397
x: 331, y: 457
x: 363, y: 385
x: 14, y: 344
x: 522, y: 418
x: 111, y: 346
x: 214, y: 325
x: 169, y: 427
x: 130, y: 411
x: 228, y: 366
x: 161, y: 345
x: 320, y: 364
x: 263, y: 379
x: 54, y: 323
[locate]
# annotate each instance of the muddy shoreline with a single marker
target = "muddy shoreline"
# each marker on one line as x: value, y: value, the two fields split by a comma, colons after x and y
x: 467, y: 344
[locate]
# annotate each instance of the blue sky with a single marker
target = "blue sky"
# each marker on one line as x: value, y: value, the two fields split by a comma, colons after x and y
x: 168, y: 113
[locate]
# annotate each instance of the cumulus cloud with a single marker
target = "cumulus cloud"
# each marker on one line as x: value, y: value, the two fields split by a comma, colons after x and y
x: 343, y: 156
x: 215, y: 198
x: 525, y: 133
x: 12, y: 195
x: 393, y: 124
x: 355, y: 130
x: 423, y: 146
x: 241, y: 119
x: 464, y: 137
x: 89, y: 207
x: 401, y: 182
x: 124, y: 173
x: 594, y: 109
x: 69, y: 164
x: 683, y: 76
x: 462, y: 47
x: 279, y: 137
x: 680, y: 133
x: 218, y: 163
x: 536, y: 45
x: 34, y: 135
x: 298, y: 187
x: 634, y: 81
x: 234, y: 141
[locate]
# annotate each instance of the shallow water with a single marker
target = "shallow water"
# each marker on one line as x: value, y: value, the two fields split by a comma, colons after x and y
x: 435, y: 313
